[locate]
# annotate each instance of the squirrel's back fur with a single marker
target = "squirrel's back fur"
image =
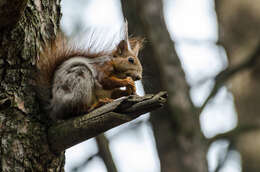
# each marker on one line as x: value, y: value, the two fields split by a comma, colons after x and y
x: 61, y: 49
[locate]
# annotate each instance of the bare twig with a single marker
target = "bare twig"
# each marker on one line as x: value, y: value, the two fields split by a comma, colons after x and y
x: 83, y: 164
x: 76, y: 130
x: 11, y: 11
x: 225, y: 75
x: 105, y: 153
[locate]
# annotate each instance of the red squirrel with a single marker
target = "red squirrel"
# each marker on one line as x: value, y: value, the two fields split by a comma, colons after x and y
x: 80, y: 81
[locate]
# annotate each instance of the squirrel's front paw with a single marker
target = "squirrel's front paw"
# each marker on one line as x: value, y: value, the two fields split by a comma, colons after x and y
x: 130, y: 88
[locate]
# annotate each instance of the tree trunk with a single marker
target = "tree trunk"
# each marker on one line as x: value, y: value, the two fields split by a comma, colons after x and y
x: 239, y: 28
x: 176, y: 128
x: 24, y: 27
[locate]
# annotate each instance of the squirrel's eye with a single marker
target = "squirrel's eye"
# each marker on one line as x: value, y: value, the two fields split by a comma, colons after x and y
x: 131, y: 60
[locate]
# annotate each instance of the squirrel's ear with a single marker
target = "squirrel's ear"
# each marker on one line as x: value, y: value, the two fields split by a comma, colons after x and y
x: 122, y: 47
x: 136, y: 44
x: 136, y: 48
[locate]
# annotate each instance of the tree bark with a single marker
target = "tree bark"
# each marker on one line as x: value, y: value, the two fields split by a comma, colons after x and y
x: 179, y: 140
x: 24, y: 27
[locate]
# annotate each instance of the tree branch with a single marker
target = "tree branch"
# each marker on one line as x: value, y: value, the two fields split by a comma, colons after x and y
x: 225, y: 75
x: 76, y: 130
x: 83, y: 164
x: 11, y: 11
x: 233, y: 134
x: 105, y: 153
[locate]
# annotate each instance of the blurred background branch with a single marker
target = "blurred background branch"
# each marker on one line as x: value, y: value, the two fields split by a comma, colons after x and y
x: 224, y: 76
x: 105, y: 153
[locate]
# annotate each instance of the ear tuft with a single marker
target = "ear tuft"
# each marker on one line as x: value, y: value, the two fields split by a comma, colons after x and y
x: 136, y: 44
x: 121, y: 47
x: 126, y: 30
x: 132, y: 45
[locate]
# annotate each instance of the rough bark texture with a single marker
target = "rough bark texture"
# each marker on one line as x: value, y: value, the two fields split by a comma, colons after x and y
x: 239, y: 28
x: 176, y: 127
x: 24, y: 144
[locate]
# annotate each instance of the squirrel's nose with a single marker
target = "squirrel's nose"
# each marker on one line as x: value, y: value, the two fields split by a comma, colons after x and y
x: 137, y: 77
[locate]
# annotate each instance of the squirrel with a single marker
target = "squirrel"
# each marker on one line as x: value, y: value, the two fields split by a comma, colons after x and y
x: 80, y: 80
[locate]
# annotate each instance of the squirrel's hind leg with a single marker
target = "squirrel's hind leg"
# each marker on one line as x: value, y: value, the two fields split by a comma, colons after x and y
x: 100, y: 103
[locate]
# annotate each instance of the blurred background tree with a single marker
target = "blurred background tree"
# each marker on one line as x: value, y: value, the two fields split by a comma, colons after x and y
x: 184, y: 55
x: 239, y: 29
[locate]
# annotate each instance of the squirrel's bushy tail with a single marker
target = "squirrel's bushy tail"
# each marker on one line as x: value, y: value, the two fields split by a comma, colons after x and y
x: 52, y: 55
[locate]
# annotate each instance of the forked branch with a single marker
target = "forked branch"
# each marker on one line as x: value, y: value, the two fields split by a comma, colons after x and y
x: 225, y: 75
x: 76, y: 130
